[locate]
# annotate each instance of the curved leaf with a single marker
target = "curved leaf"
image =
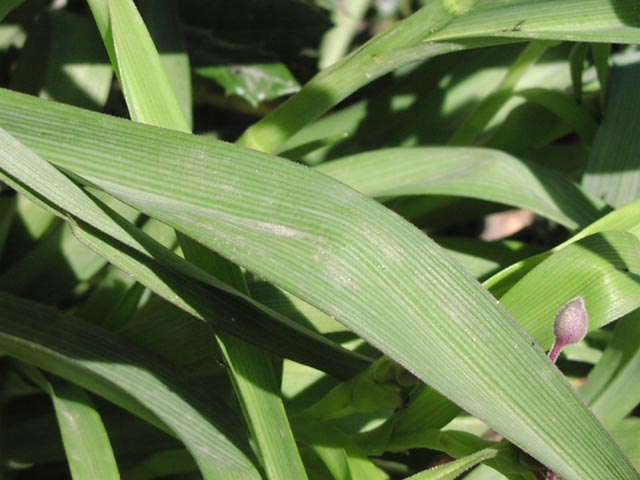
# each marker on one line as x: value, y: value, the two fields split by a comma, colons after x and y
x: 604, y: 269
x: 453, y: 470
x: 440, y: 27
x: 609, y: 21
x: 83, y: 434
x: 467, y: 172
x: 151, y: 99
x: 343, y: 253
x: 103, y: 363
x: 181, y: 283
x: 613, y: 389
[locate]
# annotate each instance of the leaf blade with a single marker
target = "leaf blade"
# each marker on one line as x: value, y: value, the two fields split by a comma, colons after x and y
x: 453, y: 335
x: 101, y: 362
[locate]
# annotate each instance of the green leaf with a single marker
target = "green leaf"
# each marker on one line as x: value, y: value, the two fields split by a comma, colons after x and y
x: 623, y: 219
x: 115, y: 299
x: 442, y: 27
x: 259, y: 393
x: 250, y: 368
x: 483, y: 472
x: 458, y: 444
x: 601, y: 54
x: 565, y: 108
x: 346, y: 20
x: 103, y: 363
x: 613, y: 389
x: 7, y: 6
x: 50, y: 271
x: 129, y: 435
x: 162, y: 328
x: 429, y: 411
x: 610, y: 21
x: 396, y: 46
x: 147, y: 89
x: 452, y: 470
x: 466, y: 172
x: 167, y: 274
x: 627, y: 433
x: 65, y: 61
x: 612, y: 169
x: 374, y: 389
x: 85, y: 83
x: 485, y: 258
x: 162, y: 464
x: 162, y: 20
x: 343, y: 253
x: 83, y: 434
x: 336, y: 449
x: 36, y: 220
x: 8, y: 209
x: 576, y: 61
x: 603, y: 268
x: 410, y: 99
x: 476, y: 123
x: 256, y: 83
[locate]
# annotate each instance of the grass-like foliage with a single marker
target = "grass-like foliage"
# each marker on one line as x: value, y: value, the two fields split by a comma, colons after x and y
x: 288, y: 239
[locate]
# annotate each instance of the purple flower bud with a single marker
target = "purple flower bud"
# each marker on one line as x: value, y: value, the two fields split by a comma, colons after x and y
x: 571, y: 326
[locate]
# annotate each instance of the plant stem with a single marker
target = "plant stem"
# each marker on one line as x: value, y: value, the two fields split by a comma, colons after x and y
x: 555, y: 351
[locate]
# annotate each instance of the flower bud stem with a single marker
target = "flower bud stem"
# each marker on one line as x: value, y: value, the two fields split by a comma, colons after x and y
x: 555, y: 351
x: 570, y: 327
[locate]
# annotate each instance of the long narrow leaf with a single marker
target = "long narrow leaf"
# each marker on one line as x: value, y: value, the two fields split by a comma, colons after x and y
x: 613, y: 389
x: 83, y: 434
x: 158, y: 268
x: 610, y: 21
x: 343, y: 253
x: 625, y: 219
x: 603, y: 268
x: 467, y: 172
x: 152, y: 99
x: 133, y: 45
x: 612, y: 170
x: 101, y: 362
x: 450, y: 471
x: 393, y: 48
x: 441, y: 27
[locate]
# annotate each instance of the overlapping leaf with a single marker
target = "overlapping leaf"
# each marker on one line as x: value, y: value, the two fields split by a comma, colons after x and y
x: 466, y: 172
x: 344, y: 254
x: 101, y: 362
